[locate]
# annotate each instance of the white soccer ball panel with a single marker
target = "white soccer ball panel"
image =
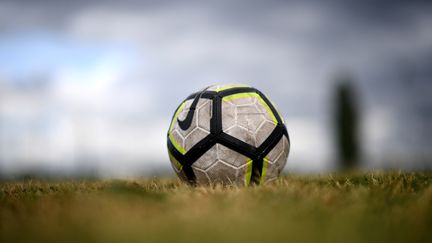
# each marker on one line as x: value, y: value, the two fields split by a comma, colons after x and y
x: 207, y: 159
x: 282, y: 160
x: 222, y: 173
x: 276, y: 152
x: 222, y: 165
x: 204, y: 114
x: 249, y: 117
x: 242, y: 134
x: 265, y: 109
x: 194, y: 137
x: 228, y: 115
x: 177, y: 137
x: 230, y: 156
x: 245, y: 118
x: 201, y: 176
x: 220, y: 153
x: 276, y: 160
x: 264, y: 132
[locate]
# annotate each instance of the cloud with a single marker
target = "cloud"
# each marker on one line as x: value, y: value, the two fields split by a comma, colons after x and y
x: 311, y: 148
x: 117, y: 71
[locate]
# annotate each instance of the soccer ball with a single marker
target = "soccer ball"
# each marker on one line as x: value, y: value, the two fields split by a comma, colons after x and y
x: 228, y: 134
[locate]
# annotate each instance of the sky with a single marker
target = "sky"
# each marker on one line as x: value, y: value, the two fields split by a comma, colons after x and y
x: 92, y: 85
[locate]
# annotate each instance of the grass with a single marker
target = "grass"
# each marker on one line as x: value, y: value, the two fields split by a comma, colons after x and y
x: 373, y: 207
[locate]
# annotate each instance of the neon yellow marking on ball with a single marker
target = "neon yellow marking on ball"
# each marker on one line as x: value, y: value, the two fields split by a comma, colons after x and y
x: 176, y: 163
x: 248, y: 172
x: 264, y: 170
x: 231, y: 87
x: 176, y: 145
x: 246, y: 95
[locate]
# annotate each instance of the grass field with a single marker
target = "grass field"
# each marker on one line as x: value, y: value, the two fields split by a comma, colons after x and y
x: 373, y: 207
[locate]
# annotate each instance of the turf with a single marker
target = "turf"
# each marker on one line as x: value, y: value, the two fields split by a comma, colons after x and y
x: 372, y: 207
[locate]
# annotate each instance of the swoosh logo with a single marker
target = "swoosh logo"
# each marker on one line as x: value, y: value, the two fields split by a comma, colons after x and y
x: 187, y: 122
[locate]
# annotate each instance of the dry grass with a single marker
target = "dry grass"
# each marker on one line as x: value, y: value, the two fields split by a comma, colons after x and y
x: 374, y: 207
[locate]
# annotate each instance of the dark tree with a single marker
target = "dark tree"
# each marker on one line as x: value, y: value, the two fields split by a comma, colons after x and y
x: 346, y: 124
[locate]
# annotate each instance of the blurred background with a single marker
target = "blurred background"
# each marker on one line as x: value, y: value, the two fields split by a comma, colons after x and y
x: 88, y: 88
